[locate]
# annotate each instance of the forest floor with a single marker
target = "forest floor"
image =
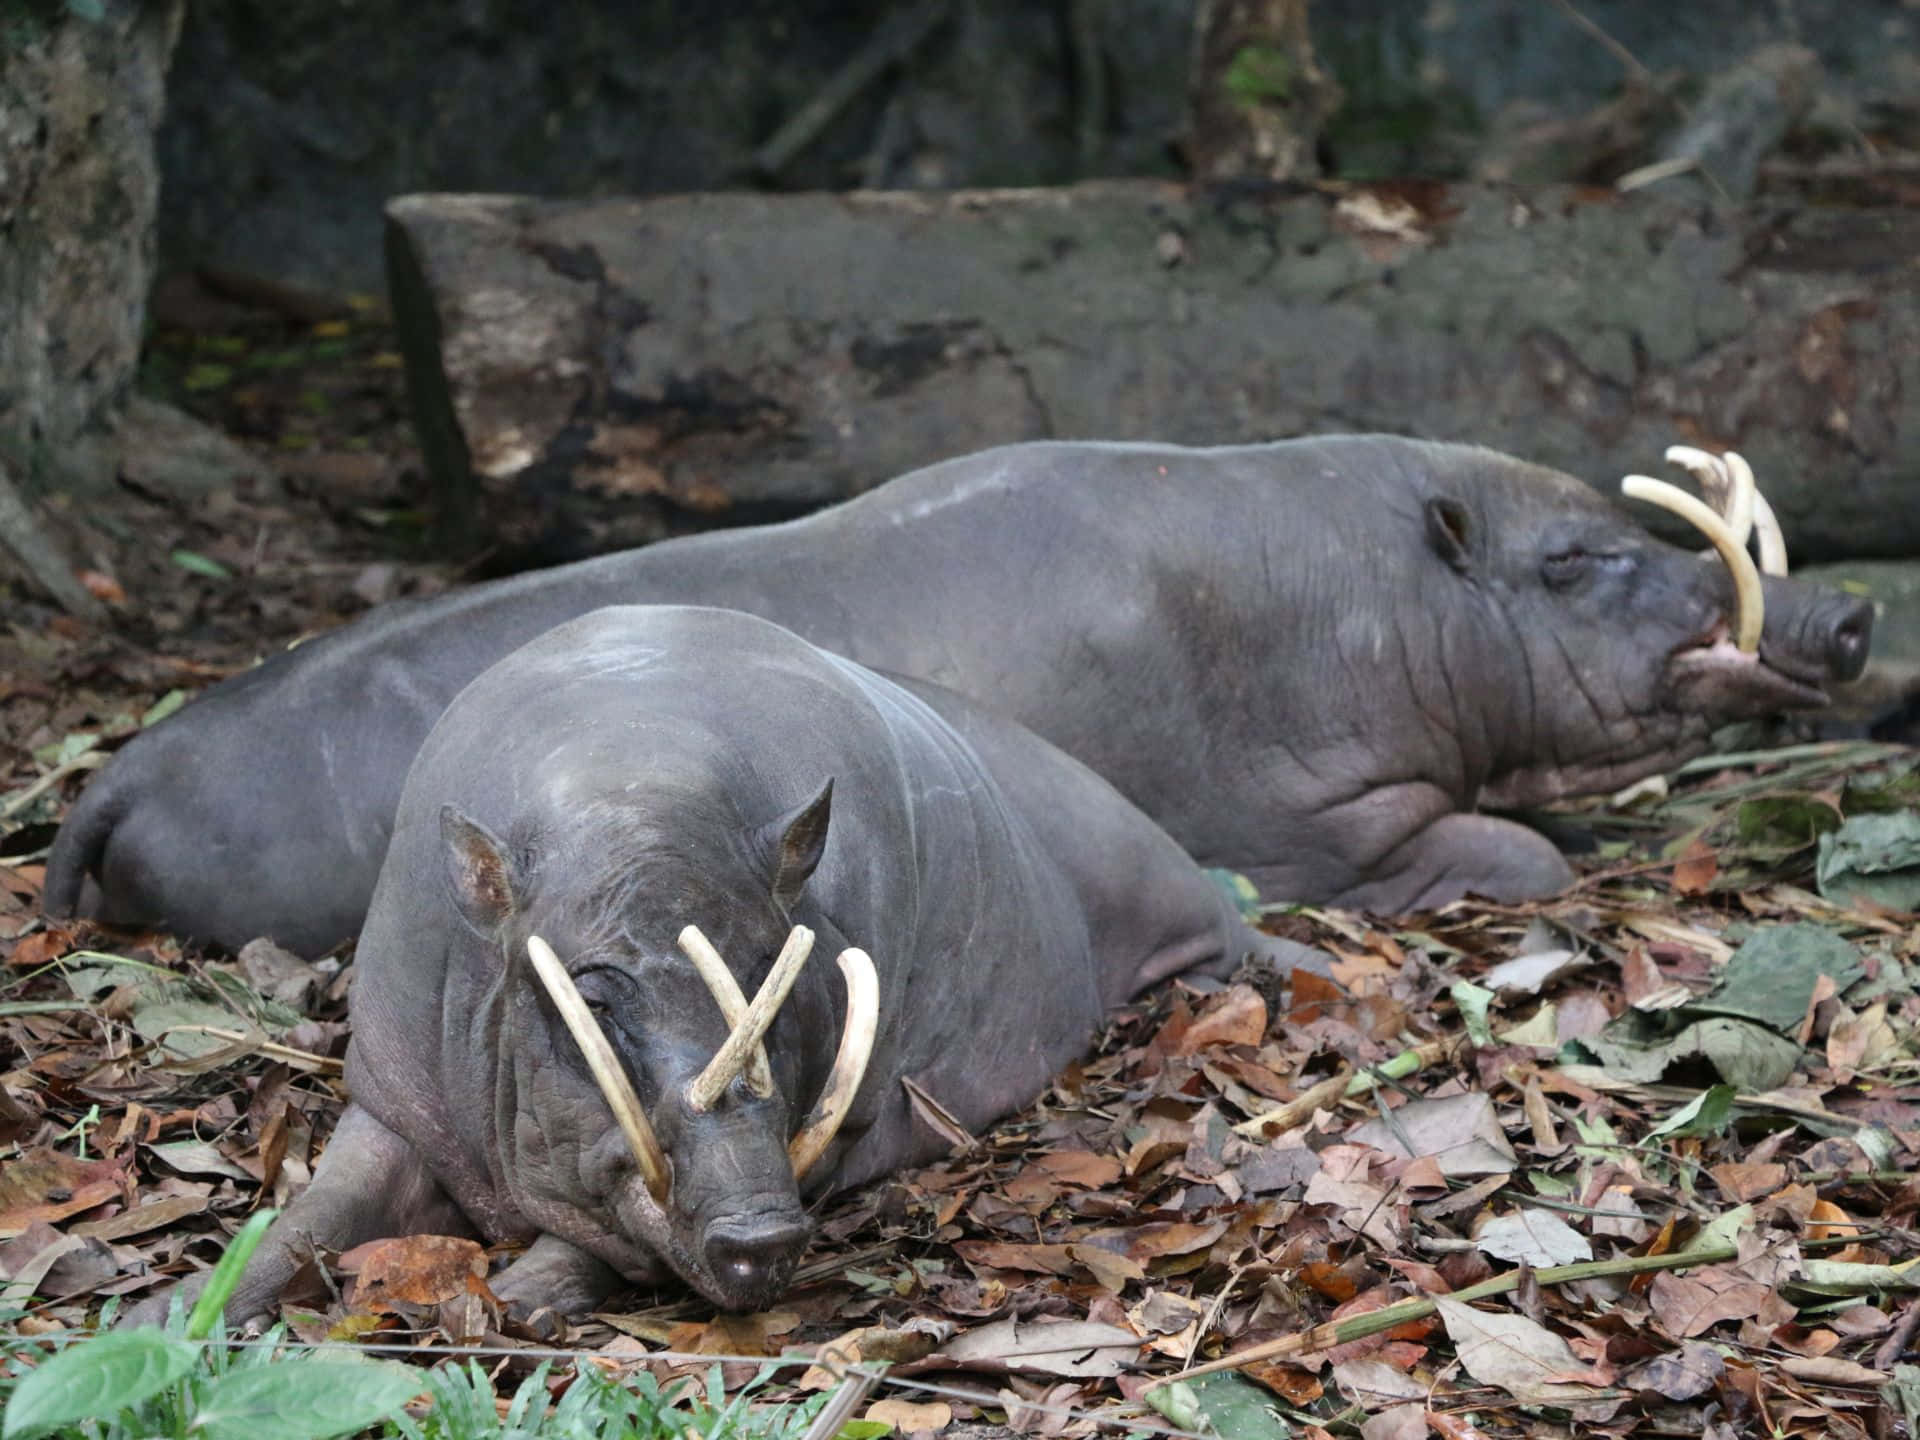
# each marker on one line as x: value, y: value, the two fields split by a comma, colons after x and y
x: 1695, y: 1077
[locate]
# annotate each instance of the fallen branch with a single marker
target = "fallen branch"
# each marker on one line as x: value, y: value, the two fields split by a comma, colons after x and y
x: 1299, y: 1110
x: 1359, y: 1327
x: 85, y: 760
x: 897, y: 38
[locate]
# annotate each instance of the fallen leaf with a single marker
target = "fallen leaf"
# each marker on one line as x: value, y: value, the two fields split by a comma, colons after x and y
x: 1071, y: 1348
x: 414, y: 1269
x: 1525, y: 1359
x: 1532, y: 1237
x: 1236, y: 1016
x: 48, y: 1185
x: 910, y: 1418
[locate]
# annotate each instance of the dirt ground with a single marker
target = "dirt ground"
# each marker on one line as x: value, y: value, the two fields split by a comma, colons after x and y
x: 1597, y: 1079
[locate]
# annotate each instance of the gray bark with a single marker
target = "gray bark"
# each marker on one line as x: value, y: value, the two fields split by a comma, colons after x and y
x: 80, y: 102
x: 592, y: 374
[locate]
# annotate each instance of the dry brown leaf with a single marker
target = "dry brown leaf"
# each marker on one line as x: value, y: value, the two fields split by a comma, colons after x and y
x: 48, y: 1185
x: 140, y: 1219
x: 1694, y: 873
x: 910, y: 1418
x: 1079, y: 1167
x: 998, y: 1255
x: 1112, y: 1271
x: 414, y: 1269
x: 1236, y: 1016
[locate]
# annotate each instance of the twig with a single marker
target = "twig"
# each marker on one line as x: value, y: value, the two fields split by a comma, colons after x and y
x: 1628, y: 60
x: 1358, y: 1327
x: 897, y: 38
x: 302, y: 1059
x: 1896, y: 1344
x: 36, y: 551
x: 1299, y: 1110
x: 86, y: 760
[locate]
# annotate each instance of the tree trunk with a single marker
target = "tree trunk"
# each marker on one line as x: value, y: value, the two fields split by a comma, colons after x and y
x: 593, y: 374
x: 1258, y: 99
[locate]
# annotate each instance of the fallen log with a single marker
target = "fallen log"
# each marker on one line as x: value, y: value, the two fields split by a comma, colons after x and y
x: 592, y: 374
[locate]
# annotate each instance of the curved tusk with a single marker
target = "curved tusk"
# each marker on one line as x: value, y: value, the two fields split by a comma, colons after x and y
x: 1766, y: 525
x: 849, y: 1065
x: 1728, y: 488
x: 733, y: 1004
x: 1749, y: 615
x: 605, y: 1066
x: 746, y: 1036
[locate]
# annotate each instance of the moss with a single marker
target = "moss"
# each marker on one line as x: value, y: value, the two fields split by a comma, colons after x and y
x: 1259, y: 75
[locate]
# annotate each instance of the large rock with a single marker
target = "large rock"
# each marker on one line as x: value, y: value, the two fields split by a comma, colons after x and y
x: 590, y: 374
x: 80, y: 100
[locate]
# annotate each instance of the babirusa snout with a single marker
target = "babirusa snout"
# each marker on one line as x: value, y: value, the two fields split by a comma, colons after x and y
x: 849, y: 1064
x: 604, y: 1066
x: 743, y: 1042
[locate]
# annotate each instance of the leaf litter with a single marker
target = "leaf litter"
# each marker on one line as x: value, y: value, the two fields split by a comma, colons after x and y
x: 1706, y: 1049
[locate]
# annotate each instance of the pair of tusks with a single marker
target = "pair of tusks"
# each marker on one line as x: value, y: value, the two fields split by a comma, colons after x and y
x: 741, y: 1052
x: 1738, y: 511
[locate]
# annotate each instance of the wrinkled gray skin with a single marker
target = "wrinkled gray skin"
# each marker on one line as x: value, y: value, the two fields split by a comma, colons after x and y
x: 1312, y: 662
x: 646, y: 768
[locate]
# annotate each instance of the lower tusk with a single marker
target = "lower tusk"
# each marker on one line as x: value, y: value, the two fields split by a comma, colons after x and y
x: 751, y: 1028
x: 1766, y: 525
x: 733, y: 1005
x: 1749, y: 606
x: 605, y: 1067
x: 849, y: 1065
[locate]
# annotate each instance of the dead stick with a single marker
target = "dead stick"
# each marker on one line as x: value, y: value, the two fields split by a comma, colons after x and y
x: 897, y: 38
x: 86, y: 760
x: 1358, y: 1327
x: 1299, y: 1110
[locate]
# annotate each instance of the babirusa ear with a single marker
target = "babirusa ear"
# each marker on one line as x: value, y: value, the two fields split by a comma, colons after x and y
x: 1450, y: 532
x: 803, y: 839
x: 482, y: 880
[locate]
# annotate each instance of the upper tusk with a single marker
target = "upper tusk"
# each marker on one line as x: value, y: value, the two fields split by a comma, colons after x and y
x: 1749, y: 606
x: 733, y: 1004
x: 752, y: 1027
x: 1728, y: 488
x: 605, y: 1066
x: 1766, y: 525
x: 849, y: 1065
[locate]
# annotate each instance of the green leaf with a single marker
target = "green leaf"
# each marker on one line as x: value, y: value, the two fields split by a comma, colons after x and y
x: 96, y: 1379
x: 1708, y: 1113
x: 1783, y: 823
x: 1771, y: 977
x: 163, y: 707
x: 208, y: 375
x: 194, y: 563
x: 1873, y: 857
x: 226, y: 1275
x: 1225, y: 1404
x: 1474, y: 1002
x: 302, y: 1399
x: 1240, y: 890
x: 863, y: 1430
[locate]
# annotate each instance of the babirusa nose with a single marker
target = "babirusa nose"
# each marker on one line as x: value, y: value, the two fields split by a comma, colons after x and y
x: 1849, y: 635
x: 754, y: 1257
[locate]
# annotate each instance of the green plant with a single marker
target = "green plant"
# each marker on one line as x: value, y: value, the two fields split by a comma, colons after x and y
x: 185, y: 1382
